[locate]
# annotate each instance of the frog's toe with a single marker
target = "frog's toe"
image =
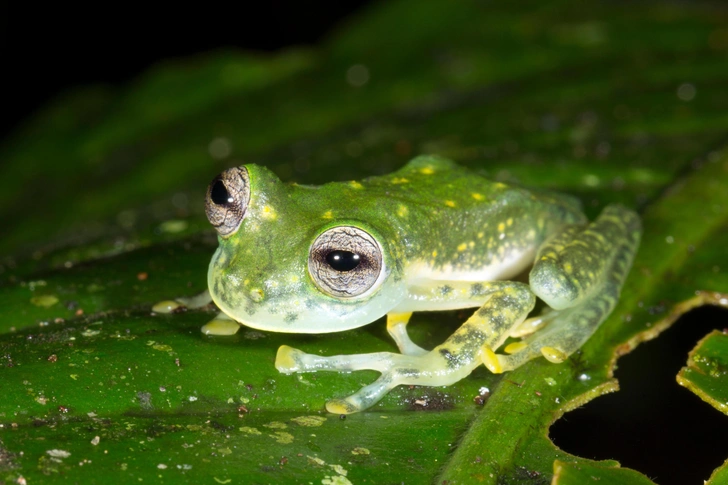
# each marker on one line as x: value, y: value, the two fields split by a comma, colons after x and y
x: 364, y: 398
x: 168, y: 306
x: 341, y: 406
x: 491, y: 360
x: 288, y: 359
x: 554, y: 355
x: 220, y: 326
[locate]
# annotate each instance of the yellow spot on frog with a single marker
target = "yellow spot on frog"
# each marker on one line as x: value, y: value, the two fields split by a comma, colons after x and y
x: 249, y: 430
x: 269, y: 213
x: 501, y: 227
x: 355, y: 185
x: 462, y: 247
x: 568, y: 268
x: 309, y: 421
x: 450, y: 203
x: 427, y: 170
x: 44, y: 301
x: 399, y: 180
x: 328, y: 215
x: 402, y: 211
x: 477, y: 196
x: 282, y: 437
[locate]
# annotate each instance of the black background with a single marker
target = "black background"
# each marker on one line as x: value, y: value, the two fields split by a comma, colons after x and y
x: 652, y: 425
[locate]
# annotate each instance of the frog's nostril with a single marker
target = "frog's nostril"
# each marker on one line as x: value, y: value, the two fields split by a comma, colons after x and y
x: 256, y: 295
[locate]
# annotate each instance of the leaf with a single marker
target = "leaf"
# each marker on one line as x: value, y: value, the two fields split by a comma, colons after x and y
x: 583, y: 98
x: 571, y: 474
x: 706, y: 374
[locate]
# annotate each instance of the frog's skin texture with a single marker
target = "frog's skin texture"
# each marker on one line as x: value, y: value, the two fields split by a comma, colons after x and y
x: 431, y: 236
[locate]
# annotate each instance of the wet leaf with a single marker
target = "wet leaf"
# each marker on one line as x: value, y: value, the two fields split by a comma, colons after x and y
x: 583, y: 98
x: 706, y: 373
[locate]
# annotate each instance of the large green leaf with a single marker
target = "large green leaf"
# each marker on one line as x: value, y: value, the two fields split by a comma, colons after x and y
x: 610, y: 104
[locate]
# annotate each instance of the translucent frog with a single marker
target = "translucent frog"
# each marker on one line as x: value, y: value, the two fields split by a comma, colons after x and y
x: 430, y: 236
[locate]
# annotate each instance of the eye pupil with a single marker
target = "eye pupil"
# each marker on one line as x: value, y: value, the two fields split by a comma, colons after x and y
x: 343, y: 260
x: 219, y: 194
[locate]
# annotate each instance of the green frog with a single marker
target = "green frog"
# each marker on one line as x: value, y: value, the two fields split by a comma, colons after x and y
x: 430, y: 236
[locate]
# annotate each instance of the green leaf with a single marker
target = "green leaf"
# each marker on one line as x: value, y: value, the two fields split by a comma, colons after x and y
x: 572, y: 474
x: 586, y: 98
x: 706, y: 374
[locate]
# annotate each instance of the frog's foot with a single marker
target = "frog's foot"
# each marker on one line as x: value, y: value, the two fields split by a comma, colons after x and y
x: 430, y: 369
x: 181, y: 304
x: 221, y: 325
x: 397, y: 328
x: 567, y: 330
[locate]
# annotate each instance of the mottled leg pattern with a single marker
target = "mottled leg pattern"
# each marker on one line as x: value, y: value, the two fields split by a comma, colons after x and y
x: 580, y: 273
x: 508, y: 305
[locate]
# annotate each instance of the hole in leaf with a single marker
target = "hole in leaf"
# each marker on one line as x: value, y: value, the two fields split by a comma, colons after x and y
x: 653, y: 424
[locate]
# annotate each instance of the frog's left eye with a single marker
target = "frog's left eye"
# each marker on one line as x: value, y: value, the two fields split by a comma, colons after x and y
x: 227, y: 200
x: 345, y: 261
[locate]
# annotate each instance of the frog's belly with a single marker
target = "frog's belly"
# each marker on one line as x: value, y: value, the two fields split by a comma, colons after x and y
x: 501, y: 269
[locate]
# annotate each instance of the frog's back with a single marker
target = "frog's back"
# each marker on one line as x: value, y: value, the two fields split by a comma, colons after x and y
x: 458, y: 224
x: 439, y: 183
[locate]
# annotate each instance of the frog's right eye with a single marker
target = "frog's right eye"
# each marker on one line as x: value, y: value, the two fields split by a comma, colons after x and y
x: 345, y: 261
x: 227, y: 200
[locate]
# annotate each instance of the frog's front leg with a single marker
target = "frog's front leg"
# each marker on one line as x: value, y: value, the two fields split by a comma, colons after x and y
x: 220, y: 325
x: 397, y: 328
x: 507, y: 305
x: 579, y: 273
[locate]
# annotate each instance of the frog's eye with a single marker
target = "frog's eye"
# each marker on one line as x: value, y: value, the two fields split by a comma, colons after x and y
x: 227, y: 200
x: 345, y: 261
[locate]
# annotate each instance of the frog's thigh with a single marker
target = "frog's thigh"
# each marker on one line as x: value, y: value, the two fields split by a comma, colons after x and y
x: 569, y: 328
x: 571, y: 266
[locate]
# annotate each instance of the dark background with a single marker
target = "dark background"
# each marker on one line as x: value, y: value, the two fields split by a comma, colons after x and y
x: 652, y: 425
x: 50, y: 48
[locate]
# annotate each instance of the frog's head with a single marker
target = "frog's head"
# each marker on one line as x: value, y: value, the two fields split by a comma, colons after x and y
x: 282, y: 267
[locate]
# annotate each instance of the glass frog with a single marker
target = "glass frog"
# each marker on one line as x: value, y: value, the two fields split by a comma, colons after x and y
x: 430, y: 236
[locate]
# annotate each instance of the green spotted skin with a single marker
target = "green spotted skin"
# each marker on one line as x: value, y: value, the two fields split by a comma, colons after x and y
x: 433, y: 236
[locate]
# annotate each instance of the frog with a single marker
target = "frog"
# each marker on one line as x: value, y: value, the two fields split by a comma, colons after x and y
x: 431, y: 236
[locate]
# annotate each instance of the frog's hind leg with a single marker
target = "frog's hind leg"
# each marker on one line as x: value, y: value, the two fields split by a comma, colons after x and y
x: 580, y: 273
